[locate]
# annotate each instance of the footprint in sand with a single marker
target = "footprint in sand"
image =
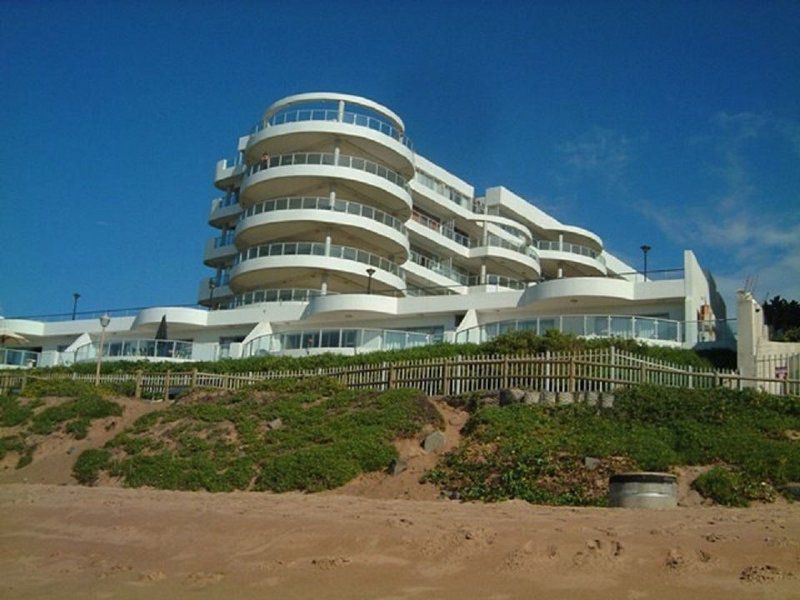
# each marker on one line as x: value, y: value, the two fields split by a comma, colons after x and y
x: 202, y: 579
x: 762, y: 574
x: 330, y: 562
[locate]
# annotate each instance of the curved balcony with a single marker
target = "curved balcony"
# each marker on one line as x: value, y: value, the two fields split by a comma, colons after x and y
x: 288, y: 174
x: 18, y: 359
x: 224, y: 211
x: 302, y: 263
x: 315, y: 127
x: 228, y: 172
x: 219, y: 250
x: 632, y: 327
x: 273, y: 295
x: 157, y: 350
x: 590, y: 261
x: 293, y: 217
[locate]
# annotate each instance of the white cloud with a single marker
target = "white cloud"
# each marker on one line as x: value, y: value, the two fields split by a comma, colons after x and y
x: 602, y: 152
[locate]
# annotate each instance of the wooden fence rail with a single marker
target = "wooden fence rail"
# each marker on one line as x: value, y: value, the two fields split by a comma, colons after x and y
x: 591, y: 371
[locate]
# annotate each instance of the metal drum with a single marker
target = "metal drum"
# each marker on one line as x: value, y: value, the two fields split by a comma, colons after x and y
x: 643, y: 490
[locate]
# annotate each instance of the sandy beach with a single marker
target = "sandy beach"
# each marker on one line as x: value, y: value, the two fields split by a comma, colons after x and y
x: 69, y: 541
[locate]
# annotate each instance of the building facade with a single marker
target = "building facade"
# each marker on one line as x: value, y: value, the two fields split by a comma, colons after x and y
x: 334, y: 235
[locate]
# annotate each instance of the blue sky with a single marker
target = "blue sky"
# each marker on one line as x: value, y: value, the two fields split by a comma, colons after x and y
x: 676, y: 125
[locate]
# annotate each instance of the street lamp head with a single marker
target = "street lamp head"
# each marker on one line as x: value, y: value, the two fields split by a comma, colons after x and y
x: 76, y: 295
x: 370, y: 271
x: 646, y: 248
x: 212, y: 284
x: 105, y: 320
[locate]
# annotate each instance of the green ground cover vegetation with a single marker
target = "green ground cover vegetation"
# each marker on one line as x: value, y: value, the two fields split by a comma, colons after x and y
x: 536, y: 453
x: 286, y: 435
x: 33, y: 417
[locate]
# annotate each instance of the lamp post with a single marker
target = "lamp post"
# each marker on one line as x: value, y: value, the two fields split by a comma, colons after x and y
x: 645, y: 250
x: 211, y: 287
x: 370, y: 273
x: 104, y: 321
x: 75, y: 296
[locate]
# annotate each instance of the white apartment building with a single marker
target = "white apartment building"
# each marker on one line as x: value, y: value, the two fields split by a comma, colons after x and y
x: 335, y: 235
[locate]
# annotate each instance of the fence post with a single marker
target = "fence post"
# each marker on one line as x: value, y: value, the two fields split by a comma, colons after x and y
x: 391, y: 381
x: 166, y: 385
x: 643, y: 376
x: 194, y: 379
x: 138, y: 393
x: 571, y: 387
x: 717, y: 379
x: 446, y: 378
x: 784, y: 387
x: 23, y: 384
x: 504, y: 372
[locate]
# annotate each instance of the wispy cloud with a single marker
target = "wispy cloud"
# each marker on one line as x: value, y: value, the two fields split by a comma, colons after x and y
x: 758, y: 237
x: 598, y: 152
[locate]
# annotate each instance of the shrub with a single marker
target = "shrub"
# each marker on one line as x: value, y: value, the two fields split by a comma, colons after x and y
x: 731, y: 487
x: 12, y: 413
x: 88, y: 408
x: 89, y: 464
x: 11, y: 443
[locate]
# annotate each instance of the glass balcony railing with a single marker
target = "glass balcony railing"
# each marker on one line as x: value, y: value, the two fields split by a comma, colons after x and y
x: 441, y: 188
x: 436, y: 266
x: 224, y: 240
x: 273, y: 295
x: 361, y: 340
x: 498, y: 242
x: 329, y: 159
x: 569, y: 247
x: 642, y: 328
x: 437, y: 226
x: 332, y: 115
x: 134, y: 349
x: 318, y: 249
x: 323, y: 203
x: 18, y: 358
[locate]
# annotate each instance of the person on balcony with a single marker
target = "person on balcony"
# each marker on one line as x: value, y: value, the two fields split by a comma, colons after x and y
x: 264, y: 161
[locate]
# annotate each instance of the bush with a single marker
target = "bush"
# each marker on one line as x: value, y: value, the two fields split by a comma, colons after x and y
x: 12, y: 413
x: 85, y: 408
x: 65, y: 388
x: 89, y: 464
x: 732, y: 488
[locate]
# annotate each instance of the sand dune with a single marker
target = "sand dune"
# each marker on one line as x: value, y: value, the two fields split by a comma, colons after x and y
x: 71, y: 542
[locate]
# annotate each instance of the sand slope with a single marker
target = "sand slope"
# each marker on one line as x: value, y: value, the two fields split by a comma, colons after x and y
x: 70, y: 542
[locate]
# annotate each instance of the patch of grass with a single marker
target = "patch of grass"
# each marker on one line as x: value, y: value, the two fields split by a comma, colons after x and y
x: 64, y: 388
x: 89, y: 464
x: 12, y: 412
x: 732, y: 488
x: 327, y: 435
x: 11, y: 443
x: 26, y: 457
x: 82, y: 410
x: 536, y: 452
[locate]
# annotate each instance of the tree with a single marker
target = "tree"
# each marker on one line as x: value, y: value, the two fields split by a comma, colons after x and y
x: 783, y: 316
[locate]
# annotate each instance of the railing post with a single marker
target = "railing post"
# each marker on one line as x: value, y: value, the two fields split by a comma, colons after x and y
x: 194, y: 379
x: 571, y: 387
x: 138, y: 393
x: 391, y: 381
x: 166, y: 385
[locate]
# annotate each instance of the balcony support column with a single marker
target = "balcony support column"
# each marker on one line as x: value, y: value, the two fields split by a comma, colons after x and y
x: 560, y: 273
x: 324, y: 287
x: 332, y: 196
x: 340, y: 112
x: 336, y: 152
x: 560, y: 242
x: 327, y: 243
x: 483, y: 273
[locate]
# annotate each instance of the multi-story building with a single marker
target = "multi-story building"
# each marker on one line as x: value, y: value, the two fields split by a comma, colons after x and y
x: 334, y: 234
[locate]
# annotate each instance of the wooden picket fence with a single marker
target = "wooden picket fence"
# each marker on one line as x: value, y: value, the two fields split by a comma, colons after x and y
x: 591, y: 371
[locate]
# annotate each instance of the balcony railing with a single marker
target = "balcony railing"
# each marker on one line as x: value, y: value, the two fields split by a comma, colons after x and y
x: 273, y: 295
x: 441, y: 188
x: 18, y: 358
x: 569, y: 247
x: 318, y: 249
x: 498, y: 242
x: 434, y: 265
x: 324, y: 203
x: 643, y: 328
x: 224, y: 240
x: 439, y: 228
x: 332, y: 115
x: 329, y: 159
x: 361, y: 340
x: 139, y: 348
